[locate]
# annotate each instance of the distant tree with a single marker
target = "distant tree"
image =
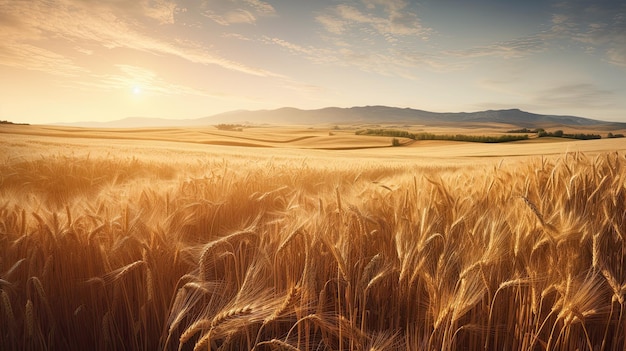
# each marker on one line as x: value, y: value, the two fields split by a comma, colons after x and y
x: 560, y: 134
x: 581, y: 136
x: 9, y: 122
x: 429, y: 136
x: 231, y: 127
x: 524, y: 130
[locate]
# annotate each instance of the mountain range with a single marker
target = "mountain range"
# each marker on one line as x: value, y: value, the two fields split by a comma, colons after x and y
x: 364, y: 115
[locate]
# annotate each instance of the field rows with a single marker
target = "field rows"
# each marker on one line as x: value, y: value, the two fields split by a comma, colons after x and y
x: 287, y: 253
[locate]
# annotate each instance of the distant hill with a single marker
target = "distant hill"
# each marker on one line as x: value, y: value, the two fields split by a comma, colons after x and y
x: 366, y: 115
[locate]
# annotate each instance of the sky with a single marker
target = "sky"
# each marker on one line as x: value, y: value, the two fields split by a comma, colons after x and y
x: 103, y: 60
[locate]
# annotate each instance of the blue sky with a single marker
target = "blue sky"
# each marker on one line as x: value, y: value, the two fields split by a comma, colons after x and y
x: 99, y: 60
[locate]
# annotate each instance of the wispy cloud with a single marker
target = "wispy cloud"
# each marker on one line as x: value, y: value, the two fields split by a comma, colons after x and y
x: 162, y: 11
x: 516, y: 48
x: 390, y: 62
x: 107, y: 25
x: 617, y: 55
x: 232, y: 17
x: 581, y: 95
x: 314, y: 54
x: 389, y: 19
x: 371, y: 35
x: 228, y: 12
x: 405, y: 61
x: 365, y: 35
x: 34, y: 58
x: 600, y: 26
x: 560, y: 24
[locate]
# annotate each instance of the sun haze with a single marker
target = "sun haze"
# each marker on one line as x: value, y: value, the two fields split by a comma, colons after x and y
x: 69, y: 60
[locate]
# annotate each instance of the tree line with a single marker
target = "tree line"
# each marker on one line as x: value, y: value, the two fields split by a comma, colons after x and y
x: 560, y: 134
x: 452, y: 137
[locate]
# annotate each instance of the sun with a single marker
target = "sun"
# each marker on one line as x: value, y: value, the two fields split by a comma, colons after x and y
x: 136, y: 90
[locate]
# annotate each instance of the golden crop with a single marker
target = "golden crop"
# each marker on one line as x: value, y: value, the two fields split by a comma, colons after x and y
x: 108, y: 253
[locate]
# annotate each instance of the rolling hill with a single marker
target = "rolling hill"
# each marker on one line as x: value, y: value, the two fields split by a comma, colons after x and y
x: 366, y: 115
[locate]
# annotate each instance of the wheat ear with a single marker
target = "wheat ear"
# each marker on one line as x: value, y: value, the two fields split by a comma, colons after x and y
x: 8, y: 310
x: 230, y: 314
x: 197, y: 326
x: 29, y: 319
x: 293, y: 293
x: 279, y: 345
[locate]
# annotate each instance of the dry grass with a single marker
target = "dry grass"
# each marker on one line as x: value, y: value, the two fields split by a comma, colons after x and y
x: 103, y: 252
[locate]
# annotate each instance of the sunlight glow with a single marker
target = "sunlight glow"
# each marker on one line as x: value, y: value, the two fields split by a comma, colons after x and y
x: 136, y: 90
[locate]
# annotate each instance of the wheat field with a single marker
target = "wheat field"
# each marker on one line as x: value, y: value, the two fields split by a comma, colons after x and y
x: 176, y: 249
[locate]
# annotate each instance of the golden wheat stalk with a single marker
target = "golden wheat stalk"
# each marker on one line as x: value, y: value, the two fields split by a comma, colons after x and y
x: 199, y: 325
x: 29, y: 319
x: 279, y: 345
x: 230, y: 314
x: 8, y: 310
x: 289, y: 300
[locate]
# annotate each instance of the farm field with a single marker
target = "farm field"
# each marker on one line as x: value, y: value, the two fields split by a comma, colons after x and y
x: 291, y: 238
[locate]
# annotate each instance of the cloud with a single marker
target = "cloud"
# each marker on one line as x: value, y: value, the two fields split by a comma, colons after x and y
x: 560, y: 24
x: 617, y: 55
x: 332, y: 24
x: 391, y: 62
x: 515, y: 48
x: 261, y: 7
x: 110, y: 24
x: 236, y: 36
x: 311, y: 53
x: 229, y: 12
x: 295, y: 48
x: 386, y: 18
x: 161, y: 11
x: 235, y: 16
x: 600, y: 26
x: 34, y: 58
x: 371, y: 35
x: 583, y: 95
